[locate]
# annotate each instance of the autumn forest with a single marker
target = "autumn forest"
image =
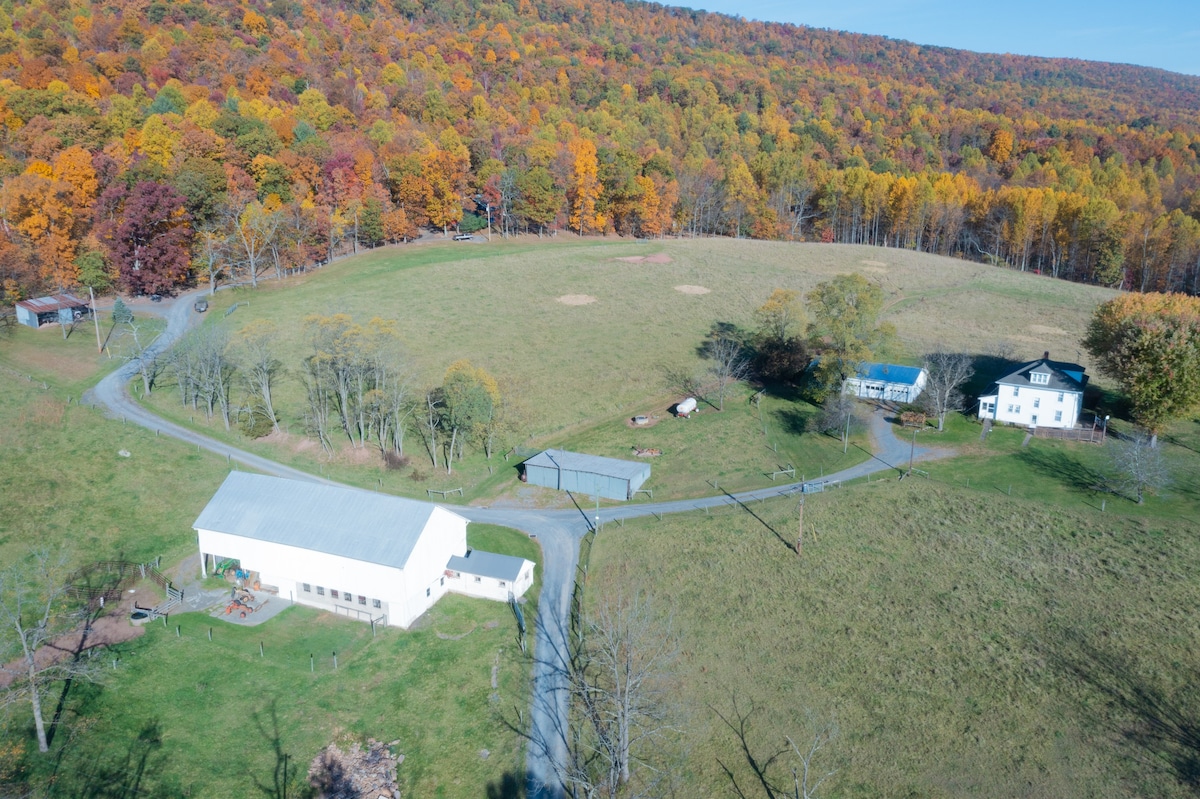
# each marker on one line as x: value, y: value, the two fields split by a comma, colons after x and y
x: 148, y: 145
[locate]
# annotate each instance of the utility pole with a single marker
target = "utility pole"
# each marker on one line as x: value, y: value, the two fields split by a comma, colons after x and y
x: 96, y: 319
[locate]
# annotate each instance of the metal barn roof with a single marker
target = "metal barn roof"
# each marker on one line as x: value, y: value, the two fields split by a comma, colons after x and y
x: 592, y: 464
x: 488, y: 564
x: 55, y: 302
x: 890, y: 373
x: 351, y: 523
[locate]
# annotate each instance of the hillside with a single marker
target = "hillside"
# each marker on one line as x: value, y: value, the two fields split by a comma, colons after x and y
x: 147, y: 145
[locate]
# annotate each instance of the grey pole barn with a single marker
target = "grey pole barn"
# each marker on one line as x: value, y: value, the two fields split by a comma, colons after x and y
x: 610, y: 478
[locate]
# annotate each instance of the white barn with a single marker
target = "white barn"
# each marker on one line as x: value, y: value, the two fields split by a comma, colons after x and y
x: 352, y: 552
x: 887, y: 381
x: 1041, y: 393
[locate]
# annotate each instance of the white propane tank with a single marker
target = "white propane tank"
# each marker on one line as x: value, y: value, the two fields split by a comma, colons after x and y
x: 686, y: 407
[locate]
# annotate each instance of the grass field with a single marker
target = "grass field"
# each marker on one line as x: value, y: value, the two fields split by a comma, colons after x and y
x: 181, y: 716
x: 965, y: 643
x: 579, y: 371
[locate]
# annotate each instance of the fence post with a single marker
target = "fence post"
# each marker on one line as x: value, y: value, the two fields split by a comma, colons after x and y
x: 210, y: 633
x: 335, y: 661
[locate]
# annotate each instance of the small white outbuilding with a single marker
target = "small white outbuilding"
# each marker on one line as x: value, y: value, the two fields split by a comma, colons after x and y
x: 351, y: 552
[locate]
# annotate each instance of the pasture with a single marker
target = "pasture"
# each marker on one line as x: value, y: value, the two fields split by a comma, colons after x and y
x: 582, y: 334
x: 964, y: 642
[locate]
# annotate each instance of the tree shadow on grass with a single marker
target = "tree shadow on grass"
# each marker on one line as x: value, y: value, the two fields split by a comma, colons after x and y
x: 510, y: 786
x: 1160, y: 724
x: 281, y: 784
x: 120, y: 772
x: 1061, y: 466
x: 793, y: 422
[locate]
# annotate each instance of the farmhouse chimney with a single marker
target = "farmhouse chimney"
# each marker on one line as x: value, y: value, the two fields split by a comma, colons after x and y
x: 1046, y: 355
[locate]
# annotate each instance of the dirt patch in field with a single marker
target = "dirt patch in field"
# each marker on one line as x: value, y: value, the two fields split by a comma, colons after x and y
x: 1043, y: 330
x: 577, y: 299
x: 657, y: 258
x: 693, y: 290
x: 112, y: 628
x: 874, y: 263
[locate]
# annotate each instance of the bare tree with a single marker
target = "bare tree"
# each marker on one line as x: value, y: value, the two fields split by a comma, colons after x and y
x: 143, y: 357
x: 727, y: 365
x: 793, y: 759
x: 836, y: 414
x: 622, y: 718
x: 34, y: 613
x: 262, y: 367
x: 431, y: 421
x: 210, y: 251
x: 948, y: 373
x: 1139, y: 465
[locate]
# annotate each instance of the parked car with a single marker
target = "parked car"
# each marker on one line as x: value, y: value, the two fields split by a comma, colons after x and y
x: 463, y: 237
x: 155, y: 298
x: 201, y: 306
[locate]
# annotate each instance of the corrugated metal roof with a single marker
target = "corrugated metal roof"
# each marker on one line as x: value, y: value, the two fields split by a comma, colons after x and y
x: 890, y: 373
x: 55, y: 302
x: 363, y: 525
x: 593, y: 464
x: 488, y: 564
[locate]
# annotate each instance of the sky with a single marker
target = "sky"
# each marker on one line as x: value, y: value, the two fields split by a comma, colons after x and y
x: 1151, y: 33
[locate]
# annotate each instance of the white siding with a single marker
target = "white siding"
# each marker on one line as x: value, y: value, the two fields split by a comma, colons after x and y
x: 403, y: 591
x: 1027, y: 406
x: 490, y: 587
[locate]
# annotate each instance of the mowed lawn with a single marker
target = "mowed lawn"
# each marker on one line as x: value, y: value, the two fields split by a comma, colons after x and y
x: 964, y: 642
x: 513, y: 309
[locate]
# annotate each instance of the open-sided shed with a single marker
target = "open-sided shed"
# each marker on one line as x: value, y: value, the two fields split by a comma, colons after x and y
x: 64, y: 308
x: 590, y: 475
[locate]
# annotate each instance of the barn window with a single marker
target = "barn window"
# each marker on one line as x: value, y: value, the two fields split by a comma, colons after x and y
x: 333, y: 593
x: 307, y: 588
x: 346, y: 595
x: 478, y: 580
x: 320, y: 590
x: 428, y: 591
x: 502, y: 583
x: 376, y: 603
x: 443, y: 581
x: 362, y: 600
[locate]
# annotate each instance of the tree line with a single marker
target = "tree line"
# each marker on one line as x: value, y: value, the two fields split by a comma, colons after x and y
x: 147, y: 146
x: 359, y: 388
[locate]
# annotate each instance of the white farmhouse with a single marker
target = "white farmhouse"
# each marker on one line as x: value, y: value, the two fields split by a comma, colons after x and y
x: 351, y: 552
x: 1041, y: 393
x: 887, y: 381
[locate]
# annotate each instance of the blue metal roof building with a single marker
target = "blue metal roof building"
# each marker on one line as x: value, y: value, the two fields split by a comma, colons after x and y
x: 887, y: 381
x: 589, y: 475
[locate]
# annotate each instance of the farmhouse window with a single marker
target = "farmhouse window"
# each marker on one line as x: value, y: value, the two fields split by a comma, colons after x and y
x: 1033, y: 421
x: 1037, y: 402
x: 1060, y: 396
x: 1018, y: 409
x: 1016, y: 391
x: 333, y: 593
x: 1010, y: 407
x: 1039, y: 377
x: 307, y: 588
x: 320, y: 590
x: 1058, y: 416
x: 375, y: 603
x: 362, y: 600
